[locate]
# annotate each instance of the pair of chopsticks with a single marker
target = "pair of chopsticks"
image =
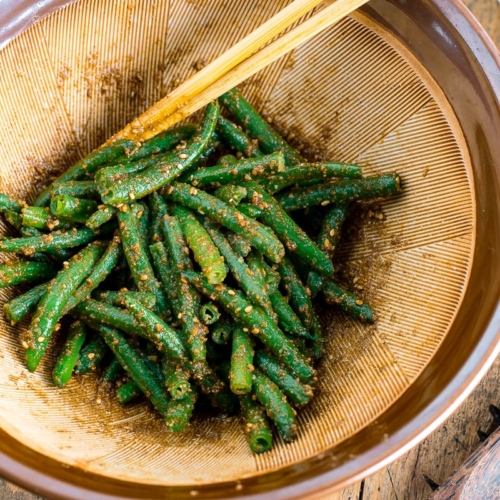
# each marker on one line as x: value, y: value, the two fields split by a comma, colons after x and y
x: 244, y: 59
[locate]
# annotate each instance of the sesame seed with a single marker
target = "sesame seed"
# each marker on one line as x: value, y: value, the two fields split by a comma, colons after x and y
x: 25, y: 344
x: 332, y: 232
x: 143, y: 277
x: 255, y: 331
x: 91, y: 355
x: 324, y: 203
x: 245, y: 329
x: 183, y: 156
x: 40, y: 339
x: 158, y: 327
x: 248, y: 309
x: 359, y: 302
x: 131, y: 195
x: 231, y: 292
x: 98, y: 401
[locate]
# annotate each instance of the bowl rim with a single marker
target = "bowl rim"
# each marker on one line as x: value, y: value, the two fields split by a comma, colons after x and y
x: 24, y: 14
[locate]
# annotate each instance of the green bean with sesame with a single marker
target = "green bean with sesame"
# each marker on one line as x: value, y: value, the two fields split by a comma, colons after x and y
x: 199, y: 241
x: 243, y: 170
x: 258, y: 235
x: 164, y: 171
x: 19, y: 272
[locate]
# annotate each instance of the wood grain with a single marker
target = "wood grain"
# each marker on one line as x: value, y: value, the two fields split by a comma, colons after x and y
x: 478, y: 477
x: 449, y: 446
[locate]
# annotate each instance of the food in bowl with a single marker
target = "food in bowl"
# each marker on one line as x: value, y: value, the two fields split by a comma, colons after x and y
x: 183, y: 268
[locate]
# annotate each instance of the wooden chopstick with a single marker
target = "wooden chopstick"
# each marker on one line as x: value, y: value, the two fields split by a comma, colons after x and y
x: 217, y: 68
x: 198, y: 91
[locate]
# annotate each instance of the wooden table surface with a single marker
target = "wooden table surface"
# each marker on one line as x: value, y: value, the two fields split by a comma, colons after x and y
x: 446, y: 448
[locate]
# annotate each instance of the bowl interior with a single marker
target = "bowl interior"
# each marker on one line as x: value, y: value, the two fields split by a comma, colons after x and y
x: 355, y: 94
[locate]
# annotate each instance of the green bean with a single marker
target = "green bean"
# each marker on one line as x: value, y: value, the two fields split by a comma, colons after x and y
x: 103, y: 214
x: 176, y: 379
x: 255, y: 263
x: 13, y: 218
x: 164, y: 141
x: 297, y: 292
x: 24, y: 304
x: 227, y: 160
x: 8, y: 203
x: 19, y: 272
x: 240, y: 375
x: 259, y: 323
x: 257, y: 127
x: 206, y: 378
x: 221, y: 332
x: 204, y: 251
x: 128, y: 392
x: 348, y: 302
x: 17, y: 221
x: 250, y: 284
x: 288, y: 321
x: 156, y: 176
x: 179, y: 412
x: 213, y: 144
x: 209, y: 313
x: 317, y: 344
x: 136, y: 368
x: 69, y: 208
x: 91, y: 356
x: 250, y: 210
x: 257, y: 429
x: 328, y: 238
x: 157, y: 209
x: 68, y: 356
x: 376, y: 186
x: 315, y: 283
x: 273, y: 278
x: 329, y: 235
x: 239, y: 244
x: 133, y: 246
x: 304, y: 172
x: 86, y: 167
x: 140, y: 211
x: 78, y: 189
x: 296, y: 392
x: 113, y: 371
x: 258, y: 235
x: 93, y: 313
x: 292, y: 236
x: 164, y: 270
x: 101, y: 270
x: 237, y: 139
x: 165, y: 338
x: 114, y: 298
x: 274, y: 401
x: 217, y: 392
x: 188, y: 300
x: 244, y: 170
x: 53, y: 302
x: 231, y: 194
x: 42, y: 218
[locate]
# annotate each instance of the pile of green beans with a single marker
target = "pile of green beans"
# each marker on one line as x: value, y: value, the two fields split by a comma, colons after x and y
x: 184, y: 273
